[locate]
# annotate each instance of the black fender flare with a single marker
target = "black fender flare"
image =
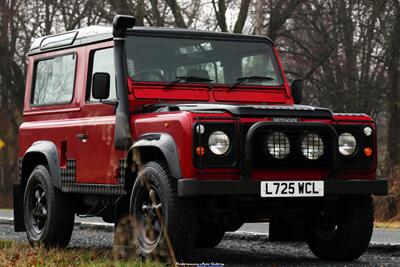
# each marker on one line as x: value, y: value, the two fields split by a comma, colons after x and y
x: 49, y: 150
x: 166, y: 144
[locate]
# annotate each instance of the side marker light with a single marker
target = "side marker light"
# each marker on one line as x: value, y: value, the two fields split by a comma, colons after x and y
x: 368, y: 151
x: 200, y: 151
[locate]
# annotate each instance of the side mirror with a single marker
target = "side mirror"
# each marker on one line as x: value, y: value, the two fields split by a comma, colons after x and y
x: 101, y: 85
x: 297, y: 91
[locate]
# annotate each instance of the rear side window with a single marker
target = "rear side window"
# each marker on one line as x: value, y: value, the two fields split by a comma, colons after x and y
x: 54, y: 80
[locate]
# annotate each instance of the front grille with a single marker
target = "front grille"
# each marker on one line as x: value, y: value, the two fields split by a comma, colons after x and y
x: 287, y: 147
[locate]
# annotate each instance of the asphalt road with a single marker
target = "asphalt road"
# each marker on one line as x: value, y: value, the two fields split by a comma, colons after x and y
x: 238, y: 249
x: 380, y: 236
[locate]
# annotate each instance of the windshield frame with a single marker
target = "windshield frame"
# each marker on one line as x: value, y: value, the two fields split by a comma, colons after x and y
x: 212, y: 36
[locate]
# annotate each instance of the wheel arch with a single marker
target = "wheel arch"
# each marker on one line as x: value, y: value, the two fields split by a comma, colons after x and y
x: 45, y: 153
x: 154, y: 146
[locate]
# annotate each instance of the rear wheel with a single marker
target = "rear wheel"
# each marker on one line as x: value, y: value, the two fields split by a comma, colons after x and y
x: 343, y: 232
x: 164, y: 221
x: 48, y: 215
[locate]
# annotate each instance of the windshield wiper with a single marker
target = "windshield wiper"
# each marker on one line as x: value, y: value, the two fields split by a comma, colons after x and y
x: 242, y: 80
x: 188, y: 79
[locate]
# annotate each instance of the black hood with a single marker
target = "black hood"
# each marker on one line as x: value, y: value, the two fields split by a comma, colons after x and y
x: 246, y: 110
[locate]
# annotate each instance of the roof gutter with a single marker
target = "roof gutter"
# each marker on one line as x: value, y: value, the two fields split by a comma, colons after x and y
x: 123, y: 135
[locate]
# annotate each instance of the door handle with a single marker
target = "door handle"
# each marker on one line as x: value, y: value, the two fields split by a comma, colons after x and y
x: 82, y: 136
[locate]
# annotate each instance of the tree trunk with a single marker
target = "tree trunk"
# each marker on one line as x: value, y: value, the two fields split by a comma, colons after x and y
x: 176, y: 11
x: 220, y: 14
x: 241, y: 19
x: 140, y: 13
x: 279, y: 15
x: 259, y: 17
x: 393, y: 65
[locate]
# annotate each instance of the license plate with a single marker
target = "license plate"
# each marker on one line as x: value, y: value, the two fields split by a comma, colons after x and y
x: 292, y: 189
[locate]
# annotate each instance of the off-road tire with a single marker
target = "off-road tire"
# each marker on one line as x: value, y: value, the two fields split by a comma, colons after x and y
x: 354, y: 217
x: 179, y: 214
x: 209, y: 236
x: 57, y: 227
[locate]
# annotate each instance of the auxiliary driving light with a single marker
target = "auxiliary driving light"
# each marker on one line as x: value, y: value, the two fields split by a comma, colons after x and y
x: 347, y: 144
x: 218, y: 142
x: 278, y: 145
x: 312, y: 146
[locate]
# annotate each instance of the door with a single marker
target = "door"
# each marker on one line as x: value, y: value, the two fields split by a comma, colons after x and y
x: 97, y: 160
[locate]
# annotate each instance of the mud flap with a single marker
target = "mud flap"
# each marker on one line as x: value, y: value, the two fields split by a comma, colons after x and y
x: 18, y: 204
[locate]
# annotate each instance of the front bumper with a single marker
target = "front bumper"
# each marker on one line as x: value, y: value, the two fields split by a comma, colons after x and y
x: 194, y: 187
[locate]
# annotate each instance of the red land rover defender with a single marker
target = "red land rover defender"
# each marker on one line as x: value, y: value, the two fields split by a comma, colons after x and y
x: 200, y: 127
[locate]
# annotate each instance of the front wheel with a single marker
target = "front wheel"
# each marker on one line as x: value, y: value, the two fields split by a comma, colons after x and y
x: 164, y: 221
x: 343, y: 232
x: 48, y: 215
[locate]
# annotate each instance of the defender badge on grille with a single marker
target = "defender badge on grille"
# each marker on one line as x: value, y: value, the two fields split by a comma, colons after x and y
x: 285, y: 119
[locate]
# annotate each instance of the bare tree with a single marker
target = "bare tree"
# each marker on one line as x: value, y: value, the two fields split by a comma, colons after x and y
x: 393, y: 99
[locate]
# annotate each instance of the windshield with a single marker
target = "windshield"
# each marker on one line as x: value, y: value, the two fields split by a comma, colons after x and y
x: 189, y: 60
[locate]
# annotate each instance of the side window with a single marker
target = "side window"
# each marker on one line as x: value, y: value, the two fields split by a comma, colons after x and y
x: 103, y: 61
x: 54, y: 80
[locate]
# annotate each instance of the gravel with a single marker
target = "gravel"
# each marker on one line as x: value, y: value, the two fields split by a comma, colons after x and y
x: 239, y: 249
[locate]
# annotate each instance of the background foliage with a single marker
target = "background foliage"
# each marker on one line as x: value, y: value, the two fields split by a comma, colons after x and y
x: 348, y: 52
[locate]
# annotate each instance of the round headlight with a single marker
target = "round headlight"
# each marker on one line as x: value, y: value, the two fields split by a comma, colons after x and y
x: 218, y: 143
x: 312, y: 146
x: 278, y: 145
x: 347, y: 144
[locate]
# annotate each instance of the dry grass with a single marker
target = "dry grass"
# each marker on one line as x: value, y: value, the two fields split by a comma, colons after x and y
x: 388, y: 225
x: 19, y: 254
x: 5, y: 200
x: 387, y: 208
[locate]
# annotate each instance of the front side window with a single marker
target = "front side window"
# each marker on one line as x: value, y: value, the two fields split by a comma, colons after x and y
x: 166, y: 59
x: 103, y: 61
x: 54, y: 80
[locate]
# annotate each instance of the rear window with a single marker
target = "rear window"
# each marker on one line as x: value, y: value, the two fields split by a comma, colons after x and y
x: 54, y: 80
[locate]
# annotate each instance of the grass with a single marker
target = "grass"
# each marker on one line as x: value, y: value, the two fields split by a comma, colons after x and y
x: 388, y: 225
x: 19, y: 254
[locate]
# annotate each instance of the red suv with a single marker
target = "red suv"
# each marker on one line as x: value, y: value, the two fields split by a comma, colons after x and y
x: 193, y: 133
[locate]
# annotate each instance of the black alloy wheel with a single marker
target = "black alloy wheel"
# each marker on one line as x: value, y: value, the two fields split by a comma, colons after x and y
x: 48, y: 213
x: 37, y: 208
x: 149, y: 214
x: 166, y: 224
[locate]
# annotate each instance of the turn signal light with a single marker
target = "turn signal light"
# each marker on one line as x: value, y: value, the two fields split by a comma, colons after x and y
x: 368, y: 151
x: 200, y: 151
